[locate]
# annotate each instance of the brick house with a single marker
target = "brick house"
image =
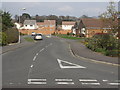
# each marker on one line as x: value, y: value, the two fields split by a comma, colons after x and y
x: 67, y: 25
x: 90, y: 26
x: 47, y: 24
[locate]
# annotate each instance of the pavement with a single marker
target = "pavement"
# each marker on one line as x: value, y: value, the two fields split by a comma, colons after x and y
x: 80, y: 50
x: 14, y: 46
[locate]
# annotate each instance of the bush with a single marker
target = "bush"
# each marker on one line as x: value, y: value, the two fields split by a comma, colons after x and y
x: 3, y: 39
x: 68, y: 33
x: 12, y: 35
x: 104, y: 43
x: 112, y: 53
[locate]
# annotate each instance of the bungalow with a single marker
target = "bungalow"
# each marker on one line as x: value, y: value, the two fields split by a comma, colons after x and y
x: 67, y: 25
x: 30, y: 24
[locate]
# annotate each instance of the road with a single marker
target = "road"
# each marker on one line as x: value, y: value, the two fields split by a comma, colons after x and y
x: 50, y: 63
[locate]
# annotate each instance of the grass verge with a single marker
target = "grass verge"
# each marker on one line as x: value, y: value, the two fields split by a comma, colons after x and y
x: 29, y: 39
x: 69, y: 37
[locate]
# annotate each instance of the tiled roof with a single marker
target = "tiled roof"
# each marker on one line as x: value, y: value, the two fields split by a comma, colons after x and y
x: 94, y: 23
x: 49, y: 22
x: 40, y: 23
x: 29, y: 22
x: 68, y: 23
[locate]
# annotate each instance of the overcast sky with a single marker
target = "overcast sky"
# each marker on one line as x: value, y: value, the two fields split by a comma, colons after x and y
x: 56, y: 8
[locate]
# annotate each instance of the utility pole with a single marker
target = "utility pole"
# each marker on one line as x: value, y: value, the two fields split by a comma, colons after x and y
x: 20, y: 25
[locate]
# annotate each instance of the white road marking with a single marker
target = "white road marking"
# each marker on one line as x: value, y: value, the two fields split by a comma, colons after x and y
x: 34, y: 58
x: 50, y: 43
x: 75, y: 65
x: 105, y: 80
x: 64, y: 82
x: 87, y: 80
x: 114, y: 83
x: 63, y: 79
x: 37, y: 54
x: 11, y: 83
x: 41, y: 49
x: 31, y: 66
x: 91, y: 83
x: 37, y: 83
x: 36, y: 80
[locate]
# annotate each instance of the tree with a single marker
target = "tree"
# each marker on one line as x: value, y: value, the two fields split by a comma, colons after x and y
x: 25, y: 16
x: 6, y: 21
x: 110, y: 18
x: 16, y: 18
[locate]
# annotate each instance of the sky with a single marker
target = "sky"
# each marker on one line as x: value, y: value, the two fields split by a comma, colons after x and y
x: 56, y: 8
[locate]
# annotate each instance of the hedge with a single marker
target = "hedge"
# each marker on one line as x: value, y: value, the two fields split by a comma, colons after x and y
x: 12, y: 35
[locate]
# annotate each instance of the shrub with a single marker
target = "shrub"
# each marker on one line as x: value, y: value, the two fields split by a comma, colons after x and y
x: 3, y: 39
x: 104, y: 43
x: 112, y: 53
x: 68, y: 33
x: 12, y: 35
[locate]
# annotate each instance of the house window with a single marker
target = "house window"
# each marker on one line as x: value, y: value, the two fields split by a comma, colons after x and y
x: 26, y: 25
x: 31, y: 25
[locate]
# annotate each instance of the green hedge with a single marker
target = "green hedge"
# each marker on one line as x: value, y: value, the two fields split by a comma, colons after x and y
x: 12, y: 35
x: 3, y: 39
x: 104, y: 43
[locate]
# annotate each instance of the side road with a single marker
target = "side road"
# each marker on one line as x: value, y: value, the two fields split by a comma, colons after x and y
x: 15, y: 45
x: 82, y: 51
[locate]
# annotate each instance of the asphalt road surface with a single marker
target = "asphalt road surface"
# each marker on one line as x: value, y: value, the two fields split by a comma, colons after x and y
x: 49, y: 63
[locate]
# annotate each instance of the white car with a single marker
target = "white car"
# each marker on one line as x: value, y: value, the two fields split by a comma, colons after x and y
x: 38, y: 37
x: 33, y: 33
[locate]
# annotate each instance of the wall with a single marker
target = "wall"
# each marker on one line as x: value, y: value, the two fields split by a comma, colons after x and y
x: 91, y: 32
x: 67, y: 27
x: 44, y: 32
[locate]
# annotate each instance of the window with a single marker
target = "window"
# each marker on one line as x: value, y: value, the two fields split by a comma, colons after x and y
x: 31, y: 25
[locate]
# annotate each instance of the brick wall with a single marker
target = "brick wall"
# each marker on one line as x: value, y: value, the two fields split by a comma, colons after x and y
x: 91, y: 32
x: 44, y: 31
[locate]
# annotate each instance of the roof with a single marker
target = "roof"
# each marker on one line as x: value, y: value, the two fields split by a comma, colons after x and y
x: 49, y: 22
x: 94, y: 23
x: 68, y: 23
x: 29, y: 22
x: 40, y: 23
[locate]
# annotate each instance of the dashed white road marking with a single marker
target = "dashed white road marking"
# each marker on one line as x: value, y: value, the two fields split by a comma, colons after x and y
x: 87, y: 80
x: 34, y: 58
x: 36, y: 80
x: 37, y: 83
x: 64, y: 82
x: 63, y: 79
x: 37, y: 54
x: 114, y: 83
x: 74, y: 65
x: 31, y: 66
x: 90, y: 83
x: 105, y: 80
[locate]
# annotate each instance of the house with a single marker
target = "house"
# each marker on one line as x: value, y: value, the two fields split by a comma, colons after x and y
x: 40, y: 24
x: 90, y: 26
x: 30, y: 24
x: 78, y: 28
x: 50, y: 24
x: 67, y: 25
x: 17, y: 25
x: 47, y: 24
